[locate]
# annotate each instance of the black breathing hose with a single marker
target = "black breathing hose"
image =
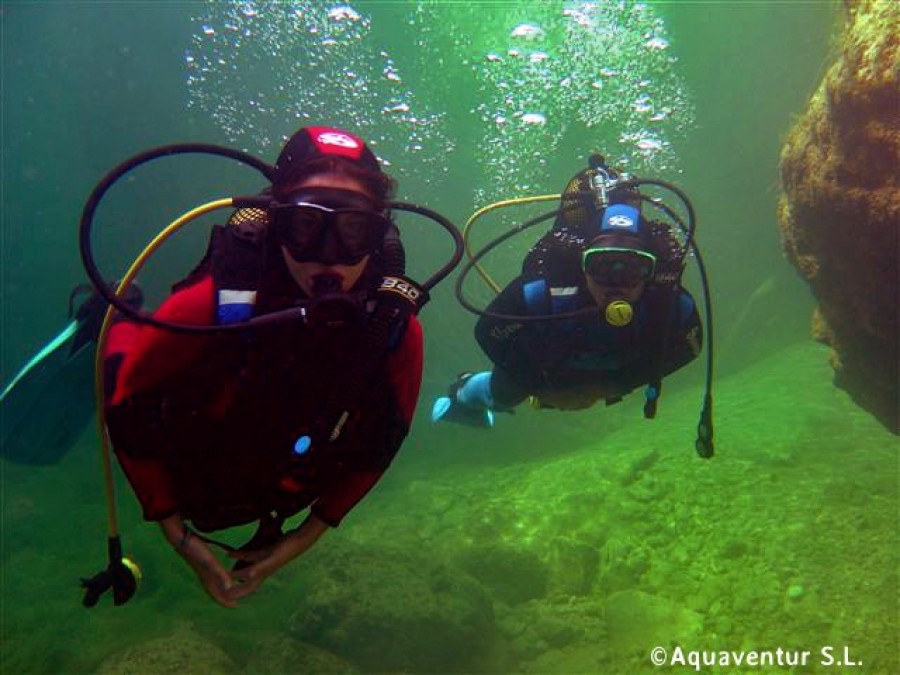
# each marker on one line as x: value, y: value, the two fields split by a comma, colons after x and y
x: 110, y: 179
x: 395, y: 256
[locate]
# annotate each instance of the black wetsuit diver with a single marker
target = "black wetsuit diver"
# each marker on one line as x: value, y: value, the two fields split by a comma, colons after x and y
x: 571, y: 363
x: 644, y: 324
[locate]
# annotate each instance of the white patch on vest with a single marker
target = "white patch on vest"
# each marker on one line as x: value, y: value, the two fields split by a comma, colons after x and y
x: 563, y: 290
x: 336, y: 138
x: 619, y: 220
x: 231, y: 297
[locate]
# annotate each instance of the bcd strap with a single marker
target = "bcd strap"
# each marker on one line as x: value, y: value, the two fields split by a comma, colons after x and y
x: 406, y: 290
x: 542, y: 299
x: 238, y: 262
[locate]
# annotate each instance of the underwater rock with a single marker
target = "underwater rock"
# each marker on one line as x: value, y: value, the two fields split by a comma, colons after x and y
x: 512, y: 575
x: 623, y: 563
x: 840, y: 212
x: 640, y: 466
x: 550, y: 625
x: 636, y: 619
x: 395, y: 610
x: 184, y: 653
x: 573, y: 567
x: 279, y: 654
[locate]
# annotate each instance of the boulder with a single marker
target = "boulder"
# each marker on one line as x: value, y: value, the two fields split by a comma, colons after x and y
x: 840, y: 211
x: 395, y: 610
x: 277, y: 653
x: 184, y: 653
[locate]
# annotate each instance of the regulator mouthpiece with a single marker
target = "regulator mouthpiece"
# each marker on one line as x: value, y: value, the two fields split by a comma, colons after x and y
x: 619, y: 313
x: 331, y: 307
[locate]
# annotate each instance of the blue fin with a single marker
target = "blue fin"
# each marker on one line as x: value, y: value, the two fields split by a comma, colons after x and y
x: 445, y: 410
x: 50, y: 401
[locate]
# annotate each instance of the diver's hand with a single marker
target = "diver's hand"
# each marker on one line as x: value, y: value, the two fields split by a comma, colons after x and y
x: 213, y: 576
x: 265, y: 562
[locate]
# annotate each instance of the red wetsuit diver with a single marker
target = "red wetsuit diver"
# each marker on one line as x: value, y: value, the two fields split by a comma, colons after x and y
x: 208, y: 428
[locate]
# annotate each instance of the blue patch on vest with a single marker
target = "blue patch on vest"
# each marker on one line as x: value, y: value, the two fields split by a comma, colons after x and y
x: 234, y: 313
x: 535, y: 293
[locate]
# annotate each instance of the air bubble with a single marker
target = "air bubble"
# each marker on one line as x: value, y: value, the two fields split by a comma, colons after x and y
x: 343, y: 13
x: 528, y: 32
x: 534, y: 119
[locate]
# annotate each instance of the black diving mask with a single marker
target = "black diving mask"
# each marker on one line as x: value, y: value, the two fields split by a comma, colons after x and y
x: 329, y: 225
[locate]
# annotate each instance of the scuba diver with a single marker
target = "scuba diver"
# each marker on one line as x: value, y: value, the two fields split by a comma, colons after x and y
x: 48, y: 403
x: 220, y: 429
x: 597, y: 311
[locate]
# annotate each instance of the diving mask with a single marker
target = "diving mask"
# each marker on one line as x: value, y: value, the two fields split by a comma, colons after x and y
x: 329, y: 225
x: 618, y: 267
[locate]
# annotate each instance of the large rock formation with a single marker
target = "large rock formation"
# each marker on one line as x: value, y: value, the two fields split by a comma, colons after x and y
x: 183, y: 653
x: 393, y: 610
x: 840, y: 214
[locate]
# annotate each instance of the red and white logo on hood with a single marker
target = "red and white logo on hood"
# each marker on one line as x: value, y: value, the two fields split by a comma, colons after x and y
x: 336, y: 142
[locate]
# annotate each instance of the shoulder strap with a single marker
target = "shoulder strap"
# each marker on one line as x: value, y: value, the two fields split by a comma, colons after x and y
x: 235, y: 257
x: 542, y: 299
x: 537, y: 300
x: 238, y: 263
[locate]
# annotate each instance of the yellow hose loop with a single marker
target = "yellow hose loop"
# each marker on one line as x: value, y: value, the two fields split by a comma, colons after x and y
x: 487, y: 209
x: 99, y: 384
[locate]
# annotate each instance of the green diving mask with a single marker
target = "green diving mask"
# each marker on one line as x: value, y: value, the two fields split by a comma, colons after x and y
x: 618, y: 267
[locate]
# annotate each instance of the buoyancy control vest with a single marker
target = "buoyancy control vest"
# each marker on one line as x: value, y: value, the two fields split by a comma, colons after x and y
x: 226, y: 428
x: 662, y: 306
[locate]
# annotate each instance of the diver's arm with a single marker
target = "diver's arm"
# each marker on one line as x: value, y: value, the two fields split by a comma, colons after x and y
x: 299, y: 540
x: 519, y: 350
x: 148, y: 360
x: 686, y: 336
x: 683, y: 345
x: 214, y: 578
x: 292, y: 545
x: 498, y: 337
x: 405, y: 364
x: 157, y: 354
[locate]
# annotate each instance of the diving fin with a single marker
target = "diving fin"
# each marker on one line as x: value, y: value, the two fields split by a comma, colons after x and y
x: 447, y: 410
x: 49, y: 402
x: 467, y: 402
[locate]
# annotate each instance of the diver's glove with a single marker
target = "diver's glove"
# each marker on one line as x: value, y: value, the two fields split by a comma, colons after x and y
x: 468, y: 402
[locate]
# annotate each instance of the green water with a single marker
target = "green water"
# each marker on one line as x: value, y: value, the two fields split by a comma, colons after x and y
x: 556, y: 543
